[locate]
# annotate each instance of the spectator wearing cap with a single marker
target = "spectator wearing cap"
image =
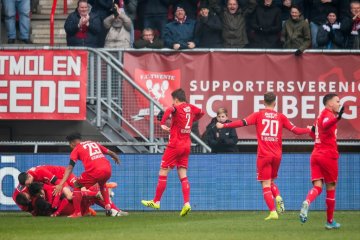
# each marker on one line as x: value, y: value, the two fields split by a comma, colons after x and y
x: 208, y: 28
x: 180, y: 34
x: 234, y: 23
x: 266, y: 25
x: 119, y: 26
x: 330, y: 35
x: 154, y: 13
x: 149, y: 40
x: 83, y: 27
x: 296, y: 32
x: 318, y: 13
x: 351, y: 26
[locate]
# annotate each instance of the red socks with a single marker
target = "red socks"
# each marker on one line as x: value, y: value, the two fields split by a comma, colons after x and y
x: 313, y: 193
x: 269, y: 199
x: 275, y: 190
x: 330, y: 205
x: 88, y: 193
x: 160, y: 188
x: 185, y: 189
x: 105, y: 193
x: 77, y: 197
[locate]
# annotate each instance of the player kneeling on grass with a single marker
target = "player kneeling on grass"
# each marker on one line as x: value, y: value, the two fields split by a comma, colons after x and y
x: 97, y: 170
x: 269, y: 125
x: 177, y: 151
x: 324, y: 159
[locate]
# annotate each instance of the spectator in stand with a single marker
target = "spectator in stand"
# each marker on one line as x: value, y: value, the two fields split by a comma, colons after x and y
x: 266, y: 25
x: 296, y: 32
x: 221, y: 140
x: 83, y: 27
x: 285, y: 10
x: 149, y: 40
x: 330, y: 35
x: 22, y: 7
x: 215, y: 6
x: 208, y: 28
x: 190, y: 7
x: 103, y: 9
x: 344, y: 9
x: 234, y: 24
x: 130, y: 7
x: 351, y: 26
x: 119, y: 26
x: 318, y: 13
x: 180, y: 34
x: 155, y: 13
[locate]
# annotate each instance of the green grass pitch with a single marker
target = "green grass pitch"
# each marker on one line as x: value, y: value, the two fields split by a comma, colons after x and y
x: 162, y: 225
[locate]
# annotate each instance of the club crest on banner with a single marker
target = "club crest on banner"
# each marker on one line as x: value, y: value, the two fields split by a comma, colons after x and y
x: 159, y: 86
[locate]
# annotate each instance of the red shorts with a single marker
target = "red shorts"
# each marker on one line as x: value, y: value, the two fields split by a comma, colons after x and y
x: 324, y: 167
x: 90, y: 179
x: 267, y: 168
x: 178, y: 157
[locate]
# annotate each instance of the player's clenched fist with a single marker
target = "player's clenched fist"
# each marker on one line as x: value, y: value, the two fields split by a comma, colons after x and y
x: 219, y: 125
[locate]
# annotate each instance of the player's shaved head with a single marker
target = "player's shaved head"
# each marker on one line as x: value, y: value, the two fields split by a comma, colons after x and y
x: 179, y: 94
x: 22, y: 178
x: 328, y: 97
x: 269, y: 98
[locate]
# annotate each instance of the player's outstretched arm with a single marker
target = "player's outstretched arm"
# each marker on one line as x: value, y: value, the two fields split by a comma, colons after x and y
x: 114, y: 156
x: 234, y: 124
x: 68, y: 171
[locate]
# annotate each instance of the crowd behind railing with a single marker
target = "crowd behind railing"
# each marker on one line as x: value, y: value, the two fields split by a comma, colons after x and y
x: 188, y: 24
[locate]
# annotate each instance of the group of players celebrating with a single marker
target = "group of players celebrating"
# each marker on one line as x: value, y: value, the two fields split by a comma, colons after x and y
x: 54, y: 190
x: 269, y: 125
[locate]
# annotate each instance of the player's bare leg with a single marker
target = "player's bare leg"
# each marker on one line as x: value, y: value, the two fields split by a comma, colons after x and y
x: 312, y: 195
x: 160, y: 188
x: 330, y: 206
x: 280, y: 206
x: 269, y: 200
x: 182, y: 172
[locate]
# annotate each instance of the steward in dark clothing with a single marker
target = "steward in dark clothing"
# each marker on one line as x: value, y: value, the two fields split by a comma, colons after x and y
x: 267, y: 27
x: 85, y: 36
x: 208, y: 29
x: 221, y: 140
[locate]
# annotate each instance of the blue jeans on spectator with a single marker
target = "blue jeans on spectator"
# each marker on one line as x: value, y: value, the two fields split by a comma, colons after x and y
x: 23, y: 9
x: 156, y: 22
x: 314, y: 28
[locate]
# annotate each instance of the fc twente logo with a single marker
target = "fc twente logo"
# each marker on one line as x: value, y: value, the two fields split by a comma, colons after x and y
x: 159, y: 86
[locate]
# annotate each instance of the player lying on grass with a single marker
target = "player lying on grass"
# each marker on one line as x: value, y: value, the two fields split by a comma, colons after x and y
x: 177, y: 151
x: 43, y: 203
x: 324, y: 159
x: 269, y: 125
x: 97, y: 170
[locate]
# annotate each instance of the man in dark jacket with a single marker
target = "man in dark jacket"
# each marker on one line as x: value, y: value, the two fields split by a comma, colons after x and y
x: 234, y: 24
x: 351, y: 26
x: 83, y: 27
x: 330, y: 35
x: 180, y: 34
x: 208, y: 29
x: 266, y: 25
x: 221, y: 140
x: 148, y: 40
x: 154, y: 13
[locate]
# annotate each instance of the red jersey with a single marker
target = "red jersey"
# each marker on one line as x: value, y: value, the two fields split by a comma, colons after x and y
x: 269, y: 125
x: 20, y: 189
x: 92, y: 156
x: 325, y: 133
x: 182, y: 118
x: 47, y: 174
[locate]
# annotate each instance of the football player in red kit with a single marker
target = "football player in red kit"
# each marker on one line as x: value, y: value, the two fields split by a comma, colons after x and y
x: 269, y: 125
x: 177, y: 151
x: 324, y: 159
x: 97, y: 170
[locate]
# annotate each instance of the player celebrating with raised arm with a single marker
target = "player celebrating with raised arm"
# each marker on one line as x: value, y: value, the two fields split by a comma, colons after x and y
x: 97, y: 170
x: 177, y: 151
x: 324, y: 159
x: 269, y: 125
